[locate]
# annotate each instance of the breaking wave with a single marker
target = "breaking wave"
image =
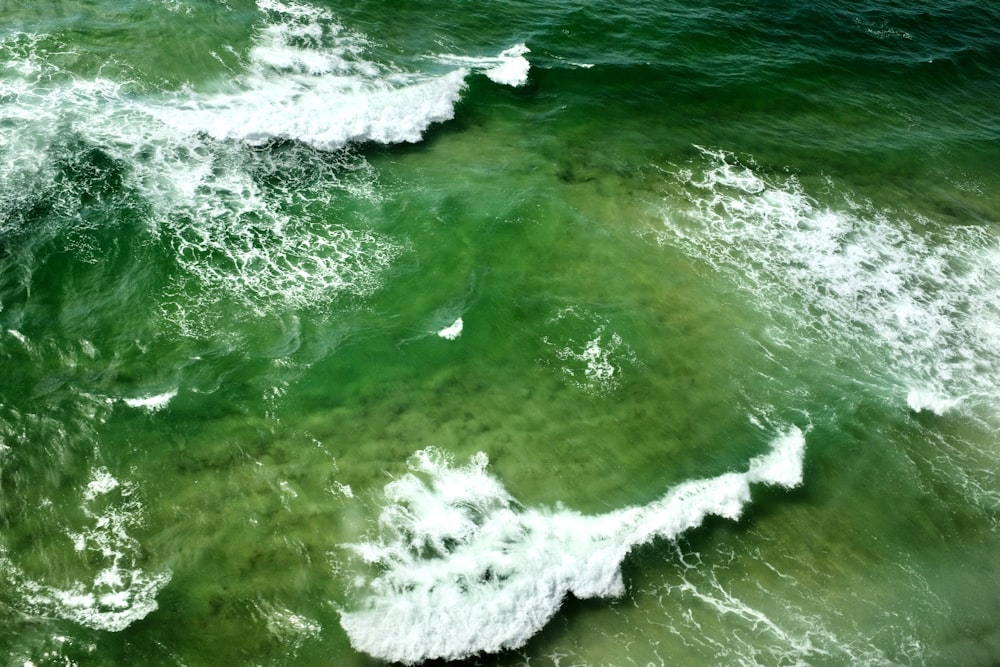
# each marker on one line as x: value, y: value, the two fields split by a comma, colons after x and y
x: 464, y: 568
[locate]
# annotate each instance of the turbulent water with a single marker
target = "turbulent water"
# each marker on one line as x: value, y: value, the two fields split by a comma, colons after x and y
x: 505, y: 333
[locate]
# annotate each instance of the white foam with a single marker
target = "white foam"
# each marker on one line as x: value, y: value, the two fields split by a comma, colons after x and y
x: 782, y: 466
x: 111, y: 611
x: 590, y: 356
x: 509, y: 68
x: 912, y: 302
x: 239, y: 241
x: 118, y: 592
x: 513, y: 67
x: 464, y: 568
x: 920, y: 400
x: 452, y: 331
x: 152, y: 402
x: 599, y: 369
x: 309, y: 80
x: 101, y: 482
x: 269, y: 247
x: 324, y: 112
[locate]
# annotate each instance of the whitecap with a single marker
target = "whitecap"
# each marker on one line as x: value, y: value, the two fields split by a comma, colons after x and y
x: 151, y: 402
x: 509, y: 68
x: 452, y: 331
x: 923, y: 399
x: 512, y: 70
x: 324, y: 112
x: 308, y: 79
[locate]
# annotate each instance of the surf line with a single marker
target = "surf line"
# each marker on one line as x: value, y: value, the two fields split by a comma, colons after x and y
x: 463, y: 568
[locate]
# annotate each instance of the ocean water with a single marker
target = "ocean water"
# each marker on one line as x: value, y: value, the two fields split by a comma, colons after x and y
x: 512, y: 333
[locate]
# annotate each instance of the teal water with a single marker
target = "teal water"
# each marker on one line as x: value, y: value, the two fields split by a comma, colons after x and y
x: 508, y: 333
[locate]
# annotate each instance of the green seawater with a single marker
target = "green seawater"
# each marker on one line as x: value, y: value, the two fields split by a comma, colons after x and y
x: 234, y: 234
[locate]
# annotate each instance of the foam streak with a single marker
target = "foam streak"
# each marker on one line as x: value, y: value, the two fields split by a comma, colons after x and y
x: 852, y: 279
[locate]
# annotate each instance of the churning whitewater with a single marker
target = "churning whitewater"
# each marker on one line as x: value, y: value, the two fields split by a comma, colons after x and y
x: 465, y: 569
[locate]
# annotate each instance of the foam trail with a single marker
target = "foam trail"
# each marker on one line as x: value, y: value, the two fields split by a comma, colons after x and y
x: 465, y: 569
x: 914, y: 302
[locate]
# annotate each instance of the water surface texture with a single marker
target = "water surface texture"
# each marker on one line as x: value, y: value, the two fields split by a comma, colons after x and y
x: 510, y: 333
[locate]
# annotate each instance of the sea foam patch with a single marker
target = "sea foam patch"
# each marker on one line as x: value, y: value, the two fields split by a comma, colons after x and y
x: 921, y: 400
x: 463, y: 568
x: 151, y: 402
x: 849, y: 279
x: 118, y: 590
x: 590, y: 356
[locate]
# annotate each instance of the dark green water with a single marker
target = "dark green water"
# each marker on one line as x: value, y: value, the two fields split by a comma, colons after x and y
x: 255, y: 258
